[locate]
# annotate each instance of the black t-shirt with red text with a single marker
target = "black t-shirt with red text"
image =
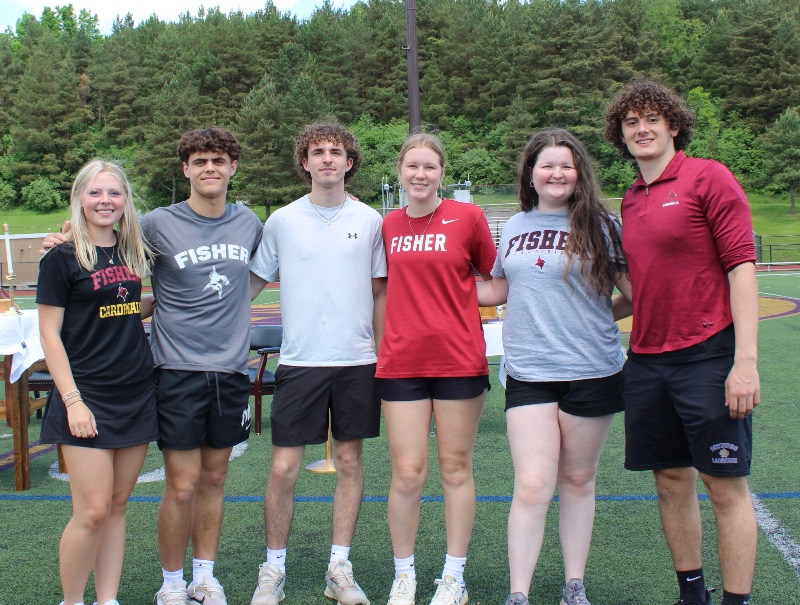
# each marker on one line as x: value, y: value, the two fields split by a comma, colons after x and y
x: 102, y: 330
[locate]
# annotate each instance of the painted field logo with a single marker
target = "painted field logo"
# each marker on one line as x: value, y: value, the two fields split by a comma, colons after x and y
x: 723, y: 452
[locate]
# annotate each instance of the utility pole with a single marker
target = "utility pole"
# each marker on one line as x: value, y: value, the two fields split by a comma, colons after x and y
x: 412, y: 60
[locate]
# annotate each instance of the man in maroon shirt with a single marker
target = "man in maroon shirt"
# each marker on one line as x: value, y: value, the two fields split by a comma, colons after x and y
x: 691, y: 381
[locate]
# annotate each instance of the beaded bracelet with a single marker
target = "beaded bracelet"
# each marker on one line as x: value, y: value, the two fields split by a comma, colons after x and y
x: 74, y: 402
x: 67, y: 396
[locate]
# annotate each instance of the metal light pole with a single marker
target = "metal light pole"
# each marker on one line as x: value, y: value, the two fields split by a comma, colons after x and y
x: 414, y: 119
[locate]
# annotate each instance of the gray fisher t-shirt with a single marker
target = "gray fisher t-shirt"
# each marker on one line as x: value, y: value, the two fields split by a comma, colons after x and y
x: 553, y: 329
x: 201, y: 283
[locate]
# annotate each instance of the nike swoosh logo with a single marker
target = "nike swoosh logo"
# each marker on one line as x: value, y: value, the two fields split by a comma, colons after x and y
x: 692, y: 579
x: 446, y: 222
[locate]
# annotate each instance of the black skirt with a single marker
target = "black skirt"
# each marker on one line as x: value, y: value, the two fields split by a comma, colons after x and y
x: 125, y: 416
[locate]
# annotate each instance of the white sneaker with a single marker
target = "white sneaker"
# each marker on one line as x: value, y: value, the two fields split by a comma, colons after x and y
x: 341, y: 586
x: 271, y: 581
x: 404, y: 591
x: 449, y: 592
x: 208, y: 592
x: 175, y: 594
x: 111, y: 602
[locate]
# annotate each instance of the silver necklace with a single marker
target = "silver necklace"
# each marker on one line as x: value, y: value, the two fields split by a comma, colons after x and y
x: 408, y: 218
x: 335, y: 217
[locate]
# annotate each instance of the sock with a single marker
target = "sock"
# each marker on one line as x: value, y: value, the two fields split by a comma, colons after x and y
x: 405, y: 567
x: 200, y: 568
x: 171, y: 576
x: 454, y: 566
x: 692, y: 583
x: 730, y: 598
x: 339, y: 553
x: 277, y: 557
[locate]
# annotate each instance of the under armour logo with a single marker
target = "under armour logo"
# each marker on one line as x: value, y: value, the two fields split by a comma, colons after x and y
x: 352, y: 236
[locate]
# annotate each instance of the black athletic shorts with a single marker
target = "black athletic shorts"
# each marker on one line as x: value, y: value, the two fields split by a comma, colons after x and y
x: 444, y: 389
x: 304, y: 396
x: 197, y: 409
x: 587, y: 398
x: 675, y: 416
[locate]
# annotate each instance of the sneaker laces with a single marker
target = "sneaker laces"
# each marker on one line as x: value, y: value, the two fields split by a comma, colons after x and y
x: 517, y: 598
x: 171, y: 597
x: 212, y: 589
x: 578, y: 594
x: 446, y: 588
x: 343, y: 577
x: 401, y: 587
x: 267, y: 578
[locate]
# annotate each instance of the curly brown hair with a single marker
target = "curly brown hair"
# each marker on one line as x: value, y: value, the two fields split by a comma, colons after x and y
x: 641, y: 96
x: 326, y: 131
x: 212, y: 138
x: 591, y: 225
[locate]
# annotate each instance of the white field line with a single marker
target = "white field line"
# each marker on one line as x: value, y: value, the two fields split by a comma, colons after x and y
x: 778, y: 535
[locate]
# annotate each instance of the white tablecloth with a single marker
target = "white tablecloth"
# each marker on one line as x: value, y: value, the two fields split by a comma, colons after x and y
x: 493, y: 334
x: 19, y: 336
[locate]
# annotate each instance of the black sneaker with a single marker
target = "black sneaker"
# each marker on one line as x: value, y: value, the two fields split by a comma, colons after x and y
x: 694, y: 601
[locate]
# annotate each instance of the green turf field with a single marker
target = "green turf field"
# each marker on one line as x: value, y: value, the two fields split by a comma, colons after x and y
x: 629, y: 562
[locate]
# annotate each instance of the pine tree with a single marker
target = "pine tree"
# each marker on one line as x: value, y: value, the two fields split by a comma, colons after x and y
x: 782, y: 146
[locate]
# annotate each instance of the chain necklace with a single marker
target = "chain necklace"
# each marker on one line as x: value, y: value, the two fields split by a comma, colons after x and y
x: 110, y: 258
x: 335, y: 217
x: 408, y: 218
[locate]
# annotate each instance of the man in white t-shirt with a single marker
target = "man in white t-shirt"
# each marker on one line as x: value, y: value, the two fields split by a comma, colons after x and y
x: 328, y: 250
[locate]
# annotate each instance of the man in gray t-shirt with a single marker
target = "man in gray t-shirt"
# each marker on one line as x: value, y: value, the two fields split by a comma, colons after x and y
x: 200, y: 339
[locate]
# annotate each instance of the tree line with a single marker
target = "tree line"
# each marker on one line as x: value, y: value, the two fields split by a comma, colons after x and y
x: 492, y: 72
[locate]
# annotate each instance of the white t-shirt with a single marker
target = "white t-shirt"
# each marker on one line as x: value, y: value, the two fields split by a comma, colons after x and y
x: 326, y: 273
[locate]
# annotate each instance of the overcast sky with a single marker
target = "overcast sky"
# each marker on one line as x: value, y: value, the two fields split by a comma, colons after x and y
x: 167, y: 10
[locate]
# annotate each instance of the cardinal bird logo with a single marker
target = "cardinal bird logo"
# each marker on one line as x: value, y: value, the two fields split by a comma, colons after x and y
x: 122, y: 292
x: 540, y: 263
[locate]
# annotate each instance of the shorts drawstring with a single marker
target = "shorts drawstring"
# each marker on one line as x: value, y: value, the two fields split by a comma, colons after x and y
x: 216, y: 384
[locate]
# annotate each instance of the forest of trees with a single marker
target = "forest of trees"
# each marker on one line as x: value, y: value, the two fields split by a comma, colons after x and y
x: 492, y: 72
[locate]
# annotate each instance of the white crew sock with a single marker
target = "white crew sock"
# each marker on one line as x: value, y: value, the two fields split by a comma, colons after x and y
x: 171, y: 576
x: 339, y: 553
x: 277, y: 557
x: 200, y: 568
x: 454, y: 566
x: 405, y: 567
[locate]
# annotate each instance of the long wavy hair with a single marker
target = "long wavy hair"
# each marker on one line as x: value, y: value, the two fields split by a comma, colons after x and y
x: 131, y: 246
x: 592, y: 226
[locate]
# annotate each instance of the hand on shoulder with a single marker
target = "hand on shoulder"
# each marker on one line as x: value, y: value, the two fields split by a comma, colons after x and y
x: 54, y: 239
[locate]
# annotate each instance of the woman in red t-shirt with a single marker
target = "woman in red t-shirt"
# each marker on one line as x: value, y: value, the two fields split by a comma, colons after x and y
x: 432, y: 361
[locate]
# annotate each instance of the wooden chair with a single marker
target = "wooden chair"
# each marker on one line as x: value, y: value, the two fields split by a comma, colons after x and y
x: 38, y: 380
x: 265, y: 340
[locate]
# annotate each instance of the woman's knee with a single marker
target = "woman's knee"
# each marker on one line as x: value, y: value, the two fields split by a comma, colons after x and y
x: 408, y: 477
x: 577, y: 481
x: 93, y: 515
x: 455, y: 468
x: 533, y: 490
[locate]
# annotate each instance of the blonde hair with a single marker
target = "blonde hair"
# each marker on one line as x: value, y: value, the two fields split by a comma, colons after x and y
x: 131, y: 247
x: 423, y: 140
